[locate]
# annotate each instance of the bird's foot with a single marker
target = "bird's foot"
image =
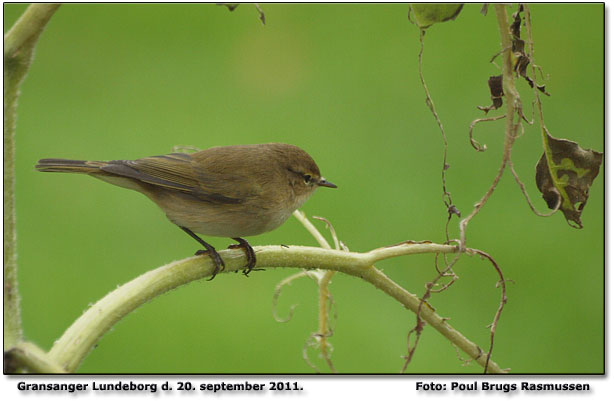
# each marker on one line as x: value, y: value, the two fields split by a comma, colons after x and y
x: 249, y: 253
x: 218, y: 262
x: 215, y: 257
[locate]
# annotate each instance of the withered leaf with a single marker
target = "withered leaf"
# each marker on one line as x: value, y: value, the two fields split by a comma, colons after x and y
x: 495, y: 83
x: 518, y: 46
x: 515, y: 27
x: 521, y: 68
x: 521, y: 58
x: 484, y: 9
x: 521, y: 64
x: 428, y: 14
x: 571, y: 176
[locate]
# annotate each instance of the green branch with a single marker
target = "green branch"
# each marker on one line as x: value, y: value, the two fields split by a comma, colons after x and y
x: 82, y: 336
x: 30, y: 357
x: 19, y: 43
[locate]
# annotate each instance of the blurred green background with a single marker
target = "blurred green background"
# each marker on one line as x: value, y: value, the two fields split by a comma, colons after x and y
x: 341, y: 81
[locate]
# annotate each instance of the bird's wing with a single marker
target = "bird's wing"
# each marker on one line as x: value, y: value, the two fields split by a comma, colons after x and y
x: 176, y: 171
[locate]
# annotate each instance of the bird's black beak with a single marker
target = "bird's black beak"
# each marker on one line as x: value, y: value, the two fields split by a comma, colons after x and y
x: 324, y: 183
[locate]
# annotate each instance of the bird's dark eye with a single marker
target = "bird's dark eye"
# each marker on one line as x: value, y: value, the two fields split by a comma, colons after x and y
x: 307, y: 178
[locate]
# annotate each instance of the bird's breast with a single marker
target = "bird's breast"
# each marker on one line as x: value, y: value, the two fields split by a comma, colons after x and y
x: 251, y: 217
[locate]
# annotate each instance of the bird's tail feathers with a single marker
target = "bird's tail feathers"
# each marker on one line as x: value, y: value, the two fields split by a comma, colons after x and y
x: 69, y: 166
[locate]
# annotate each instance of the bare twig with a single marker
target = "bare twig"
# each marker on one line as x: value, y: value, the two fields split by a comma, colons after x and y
x: 277, y: 294
x: 523, y: 189
x: 330, y: 228
x: 514, y: 108
x: 417, y: 329
x: 501, y: 283
x: 300, y: 216
x: 476, y: 145
x: 446, y: 196
x: 450, y: 273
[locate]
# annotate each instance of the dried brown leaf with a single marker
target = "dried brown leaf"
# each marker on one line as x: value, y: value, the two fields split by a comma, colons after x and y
x: 495, y: 84
x: 570, y: 176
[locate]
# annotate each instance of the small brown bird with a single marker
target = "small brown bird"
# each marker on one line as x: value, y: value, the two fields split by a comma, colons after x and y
x: 229, y: 191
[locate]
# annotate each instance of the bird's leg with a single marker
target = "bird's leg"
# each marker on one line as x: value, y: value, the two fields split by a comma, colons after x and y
x: 249, y: 252
x: 215, y: 257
